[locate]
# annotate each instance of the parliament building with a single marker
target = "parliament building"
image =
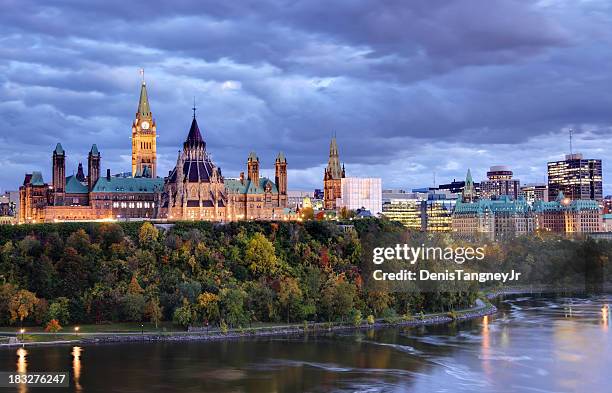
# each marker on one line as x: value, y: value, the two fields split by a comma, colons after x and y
x: 195, y: 188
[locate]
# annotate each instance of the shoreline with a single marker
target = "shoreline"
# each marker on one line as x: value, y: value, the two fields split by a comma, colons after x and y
x: 295, y: 330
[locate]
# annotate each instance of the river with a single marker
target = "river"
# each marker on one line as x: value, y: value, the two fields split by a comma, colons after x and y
x: 533, y: 344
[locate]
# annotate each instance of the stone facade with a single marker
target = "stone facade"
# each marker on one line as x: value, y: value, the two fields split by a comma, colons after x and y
x: 332, y: 178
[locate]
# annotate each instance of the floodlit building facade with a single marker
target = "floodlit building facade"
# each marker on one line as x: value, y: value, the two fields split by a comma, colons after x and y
x: 361, y: 193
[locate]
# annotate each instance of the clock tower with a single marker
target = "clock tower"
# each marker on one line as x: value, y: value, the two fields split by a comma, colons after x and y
x: 144, y: 135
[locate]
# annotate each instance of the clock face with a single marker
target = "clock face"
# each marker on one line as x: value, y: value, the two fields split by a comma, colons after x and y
x: 145, y: 125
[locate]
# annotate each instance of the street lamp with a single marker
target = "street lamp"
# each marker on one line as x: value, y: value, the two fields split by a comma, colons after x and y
x: 142, y: 329
x: 76, y: 330
x: 22, y: 331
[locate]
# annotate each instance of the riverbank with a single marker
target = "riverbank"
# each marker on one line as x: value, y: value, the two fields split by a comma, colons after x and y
x: 481, y: 309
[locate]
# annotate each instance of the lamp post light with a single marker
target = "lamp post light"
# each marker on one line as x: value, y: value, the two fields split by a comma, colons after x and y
x: 142, y: 329
x: 22, y: 331
x: 76, y: 330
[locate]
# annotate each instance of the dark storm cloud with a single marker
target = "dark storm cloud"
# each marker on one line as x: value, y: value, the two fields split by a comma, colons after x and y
x: 409, y: 87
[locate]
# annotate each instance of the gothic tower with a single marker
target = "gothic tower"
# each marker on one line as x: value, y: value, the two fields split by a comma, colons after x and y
x: 59, y: 169
x: 144, y: 139
x: 93, y: 167
x: 253, y: 168
x: 332, y: 179
x: 59, y: 175
x: 281, y: 173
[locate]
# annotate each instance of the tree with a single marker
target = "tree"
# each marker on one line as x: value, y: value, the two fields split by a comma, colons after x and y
x: 153, y: 311
x: 183, y: 316
x: 260, y: 255
x: 356, y: 317
x: 21, y: 305
x: 232, y: 306
x: 60, y: 310
x: 132, y: 306
x: 147, y: 236
x: 290, y: 297
x: 134, y: 287
x: 209, y: 306
x: 53, y: 326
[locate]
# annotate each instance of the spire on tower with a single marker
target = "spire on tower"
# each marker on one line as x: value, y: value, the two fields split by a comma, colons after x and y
x: 143, y: 104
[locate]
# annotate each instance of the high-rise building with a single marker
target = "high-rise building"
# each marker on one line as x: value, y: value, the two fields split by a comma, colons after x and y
x: 361, y: 193
x: 332, y: 179
x: 499, y: 183
x: 144, y: 139
x: 576, y: 177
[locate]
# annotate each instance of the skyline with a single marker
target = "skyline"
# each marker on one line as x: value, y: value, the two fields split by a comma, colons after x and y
x: 410, y: 89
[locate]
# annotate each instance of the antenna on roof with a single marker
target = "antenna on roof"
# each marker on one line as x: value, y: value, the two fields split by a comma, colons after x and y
x: 194, y: 107
x: 142, y: 75
x: 571, y: 132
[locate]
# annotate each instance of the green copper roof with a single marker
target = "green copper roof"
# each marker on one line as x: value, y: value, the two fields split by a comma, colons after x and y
x: 129, y: 184
x: 94, y: 150
x: 59, y: 150
x: 143, y: 104
x: 234, y: 186
x: 559, y: 205
x: 281, y: 157
x: 253, y: 156
x: 73, y: 186
x: 502, y: 205
x: 37, y: 179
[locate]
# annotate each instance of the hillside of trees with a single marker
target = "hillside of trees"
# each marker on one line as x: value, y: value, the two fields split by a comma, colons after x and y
x: 210, y: 274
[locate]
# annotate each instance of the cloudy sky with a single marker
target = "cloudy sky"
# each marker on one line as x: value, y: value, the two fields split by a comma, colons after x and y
x: 411, y: 88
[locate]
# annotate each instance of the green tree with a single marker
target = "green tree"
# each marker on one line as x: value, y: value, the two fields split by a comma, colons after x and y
x: 290, y: 298
x: 356, y: 317
x: 183, y: 316
x: 232, y: 306
x: 132, y: 306
x: 260, y: 255
x: 59, y: 310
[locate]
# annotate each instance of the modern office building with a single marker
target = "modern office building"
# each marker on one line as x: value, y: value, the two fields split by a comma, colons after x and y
x: 499, y: 183
x: 361, y: 193
x: 576, y: 177
x: 430, y: 210
x: 535, y: 192
x: 408, y: 212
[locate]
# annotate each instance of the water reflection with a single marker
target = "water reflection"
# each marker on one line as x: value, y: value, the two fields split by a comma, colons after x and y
x: 22, y: 367
x: 486, y: 346
x: 76, y: 367
x: 532, y: 344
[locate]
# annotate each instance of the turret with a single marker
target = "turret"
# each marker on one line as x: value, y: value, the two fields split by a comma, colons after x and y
x: 253, y: 168
x: 93, y: 167
x: 59, y: 169
x: 281, y: 173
